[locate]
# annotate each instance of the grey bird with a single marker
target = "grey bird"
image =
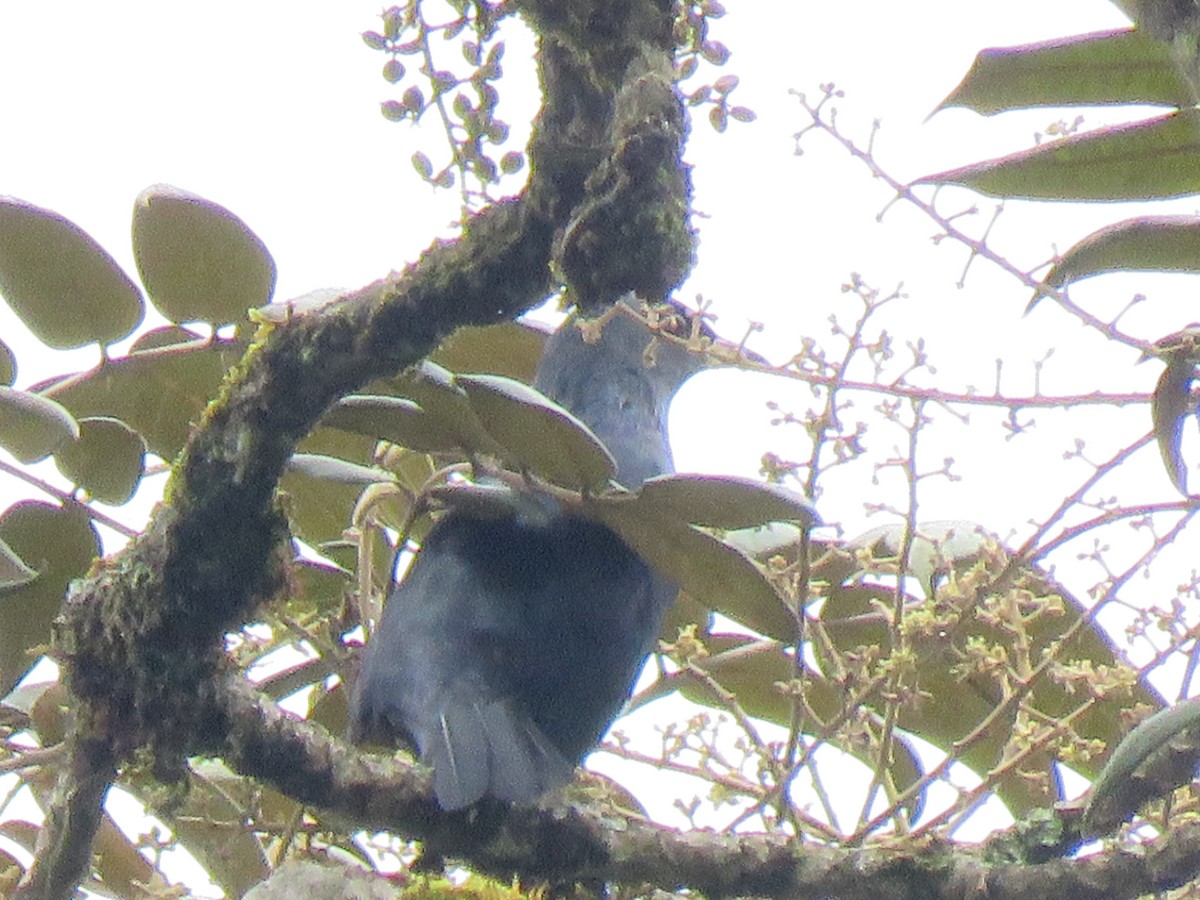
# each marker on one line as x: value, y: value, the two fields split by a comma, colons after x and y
x: 513, y: 641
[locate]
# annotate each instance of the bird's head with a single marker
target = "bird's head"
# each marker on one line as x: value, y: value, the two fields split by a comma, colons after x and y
x: 618, y: 372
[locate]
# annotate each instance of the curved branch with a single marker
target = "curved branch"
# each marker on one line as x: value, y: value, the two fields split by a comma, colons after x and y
x: 565, y: 842
x: 140, y: 638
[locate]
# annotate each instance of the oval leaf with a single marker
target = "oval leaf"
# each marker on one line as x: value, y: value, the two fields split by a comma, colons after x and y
x: 509, y: 348
x: 752, y: 669
x: 160, y: 389
x: 31, y: 426
x: 1122, y: 66
x: 120, y: 866
x: 393, y: 419
x: 765, y: 541
x: 215, y: 797
x: 1147, y: 243
x: 1151, y: 159
x: 331, y: 468
x: 65, y: 287
x: 714, y: 573
x: 60, y: 543
x: 319, y: 509
x: 435, y: 390
x: 198, y: 260
x: 1169, y: 408
x: 14, y: 573
x: 537, y: 432
x: 1159, y: 755
x: 724, y: 502
x: 107, y: 460
x: 959, y: 558
x: 8, y: 365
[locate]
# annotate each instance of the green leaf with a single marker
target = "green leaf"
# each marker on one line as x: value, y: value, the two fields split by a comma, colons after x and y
x: 715, y: 52
x: 23, y: 834
x: 14, y: 573
x: 339, y: 471
x: 160, y: 389
x: 8, y: 365
x: 301, y: 675
x: 712, y: 572
x: 1159, y: 755
x: 446, y: 407
x: 107, y: 460
x: 60, y: 543
x: 1169, y: 408
x: 1105, y: 67
x: 199, y: 262
x: 510, y: 348
x: 1151, y: 159
x: 852, y: 619
x: 24, y: 698
x: 320, y: 577
x: 753, y: 669
x: 724, y: 502
x: 62, y: 284
x: 766, y: 541
x: 952, y: 559
x: 1145, y: 243
x: 31, y: 426
x: 422, y: 164
x: 512, y: 162
x: 392, y: 419
x: 211, y: 822
x: 718, y: 117
x: 537, y: 432
x: 121, y: 868
x: 319, y: 509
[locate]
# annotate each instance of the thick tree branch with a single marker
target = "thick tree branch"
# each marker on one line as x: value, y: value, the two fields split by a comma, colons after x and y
x: 140, y: 638
x: 569, y: 843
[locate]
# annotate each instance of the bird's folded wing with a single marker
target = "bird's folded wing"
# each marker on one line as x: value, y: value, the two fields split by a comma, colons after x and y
x: 481, y: 747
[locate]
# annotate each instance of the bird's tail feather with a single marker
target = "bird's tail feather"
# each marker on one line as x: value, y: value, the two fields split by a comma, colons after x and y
x: 491, y: 748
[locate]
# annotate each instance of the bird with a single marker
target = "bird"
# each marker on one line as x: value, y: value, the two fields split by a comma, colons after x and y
x: 512, y: 642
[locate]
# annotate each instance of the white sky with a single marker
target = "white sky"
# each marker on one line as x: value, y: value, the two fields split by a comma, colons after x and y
x: 271, y: 109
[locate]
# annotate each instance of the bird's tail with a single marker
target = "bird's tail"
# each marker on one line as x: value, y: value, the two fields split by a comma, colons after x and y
x: 481, y: 747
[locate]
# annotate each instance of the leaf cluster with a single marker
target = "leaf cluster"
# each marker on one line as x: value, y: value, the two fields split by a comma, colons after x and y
x: 462, y: 93
x: 1145, y: 159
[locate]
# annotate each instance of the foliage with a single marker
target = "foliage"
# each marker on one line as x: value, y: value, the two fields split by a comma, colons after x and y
x: 908, y: 655
x: 469, y: 119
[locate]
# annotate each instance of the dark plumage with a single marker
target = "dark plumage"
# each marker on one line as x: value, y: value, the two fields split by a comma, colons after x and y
x: 511, y: 644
